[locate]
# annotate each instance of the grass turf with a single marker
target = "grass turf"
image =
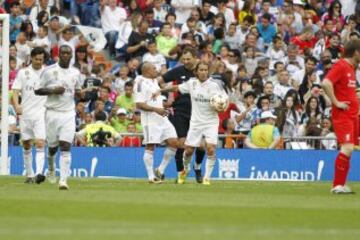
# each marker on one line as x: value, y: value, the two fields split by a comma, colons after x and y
x: 133, y: 209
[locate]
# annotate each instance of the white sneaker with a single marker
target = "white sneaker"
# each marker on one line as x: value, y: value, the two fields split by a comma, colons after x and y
x: 63, y: 185
x: 51, y: 177
x: 339, y: 189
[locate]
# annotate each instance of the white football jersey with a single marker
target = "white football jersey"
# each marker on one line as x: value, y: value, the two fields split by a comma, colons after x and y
x: 200, y: 92
x: 55, y: 76
x: 33, y: 106
x: 144, y: 89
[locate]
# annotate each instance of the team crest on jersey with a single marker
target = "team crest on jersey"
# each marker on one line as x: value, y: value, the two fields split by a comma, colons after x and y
x: 194, y: 85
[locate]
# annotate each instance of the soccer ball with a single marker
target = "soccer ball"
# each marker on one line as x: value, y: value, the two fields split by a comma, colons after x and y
x: 219, y: 102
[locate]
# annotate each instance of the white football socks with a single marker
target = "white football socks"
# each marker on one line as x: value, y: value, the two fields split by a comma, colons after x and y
x: 51, y: 162
x: 169, y: 153
x: 27, y: 155
x: 187, y: 160
x: 40, y: 160
x: 209, y: 166
x: 149, y: 161
x: 65, y: 162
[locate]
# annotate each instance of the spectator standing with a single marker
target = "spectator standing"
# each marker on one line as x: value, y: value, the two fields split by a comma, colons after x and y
x: 15, y: 20
x: 111, y: 18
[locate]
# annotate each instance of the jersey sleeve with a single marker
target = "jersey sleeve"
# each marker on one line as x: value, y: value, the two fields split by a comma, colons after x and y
x: 78, y: 82
x: 185, y: 87
x: 17, y: 85
x: 334, y: 75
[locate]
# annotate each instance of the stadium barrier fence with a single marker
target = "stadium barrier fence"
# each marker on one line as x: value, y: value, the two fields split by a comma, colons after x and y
x: 231, y: 164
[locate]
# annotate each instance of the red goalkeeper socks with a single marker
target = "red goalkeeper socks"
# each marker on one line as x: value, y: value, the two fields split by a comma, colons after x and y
x: 342, y: 165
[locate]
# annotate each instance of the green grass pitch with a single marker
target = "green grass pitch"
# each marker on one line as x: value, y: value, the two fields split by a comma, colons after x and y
x: 133, y: 209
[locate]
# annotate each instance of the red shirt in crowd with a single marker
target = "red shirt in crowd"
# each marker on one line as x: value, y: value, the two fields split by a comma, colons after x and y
x: 303, y: 45
x: 130, y: 141
x: 342, y: 76
x: 226, y: 115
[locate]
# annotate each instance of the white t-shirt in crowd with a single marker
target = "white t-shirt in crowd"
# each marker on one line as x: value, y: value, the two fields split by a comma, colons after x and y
x: 280, y: 90
x: 144, y: 90
x: 111, y: 19
x: 72, y: 43
x: 23, y: 52
x: 33, y: 106
x: 55, y: 76
x: 183, y: 9
x: 202, y: 114
x: 40, y: 42
x: 158, y: 60
x: 298, y: 77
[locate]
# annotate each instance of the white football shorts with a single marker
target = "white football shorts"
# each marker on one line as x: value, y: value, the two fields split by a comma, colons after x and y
x: 157, y: 133
x: 60, y: 126
x: 197, y: 133
x: 32, y: 128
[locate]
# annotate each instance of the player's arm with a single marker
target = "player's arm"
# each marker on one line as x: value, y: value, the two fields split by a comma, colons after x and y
x: 15, y: 99
x: 249, y: 144
x: 50, y: 91
x: 172, y: 88
x: 145, y: 107
x: 328, y: 87
x: 42, y: 89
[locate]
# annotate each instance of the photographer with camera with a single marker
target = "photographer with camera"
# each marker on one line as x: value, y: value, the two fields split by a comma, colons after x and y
x: 98, y: 134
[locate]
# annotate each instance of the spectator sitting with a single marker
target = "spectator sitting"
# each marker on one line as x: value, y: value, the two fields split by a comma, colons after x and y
x: 120, y: 121
x: 98, y: 134
x: 265, y: 135
x: 155, y: 58
x: 99, y: 107
x: 126, y: 100
x: 305, y: 40
x: 328, y: 132
x: 131, y: 141
x: 121, y: 80
x: 104, y: 96
x: 137, y: 121
x: 231, y: 136
x: 165, y: 40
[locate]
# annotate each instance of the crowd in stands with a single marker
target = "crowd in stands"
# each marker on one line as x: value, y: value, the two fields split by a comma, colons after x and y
x: 270, y: 56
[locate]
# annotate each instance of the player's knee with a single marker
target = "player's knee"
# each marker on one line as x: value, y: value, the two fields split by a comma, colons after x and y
x: 40, y: 143
x: 189, y: 151
x: 173, y: 143
x: 347, y: 149
x: 150, y: 147
x: 210, y: 151
x: 52, y: 150
x: 26, y: 144
x: 64, y: 146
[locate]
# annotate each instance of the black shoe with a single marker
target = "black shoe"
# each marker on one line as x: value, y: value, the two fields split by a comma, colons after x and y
x: 29, y: 180
x: 159, y: 175
x: 198, y: 176
x: 39, y: 178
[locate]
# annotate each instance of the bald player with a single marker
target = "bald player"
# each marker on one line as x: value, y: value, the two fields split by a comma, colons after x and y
x: 157, y: 127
